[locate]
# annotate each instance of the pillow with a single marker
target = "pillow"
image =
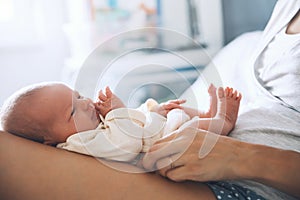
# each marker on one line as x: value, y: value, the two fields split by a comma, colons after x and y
x: 230, y: 67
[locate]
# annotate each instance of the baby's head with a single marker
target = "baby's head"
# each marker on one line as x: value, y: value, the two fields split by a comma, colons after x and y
x: 48, y: 113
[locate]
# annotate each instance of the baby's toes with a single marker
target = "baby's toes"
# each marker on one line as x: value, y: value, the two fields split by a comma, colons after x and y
x: 227, y: 91
x: 234, y: 95
x: 212, y: 89
x: 239, y: 97
x: 221, y: 92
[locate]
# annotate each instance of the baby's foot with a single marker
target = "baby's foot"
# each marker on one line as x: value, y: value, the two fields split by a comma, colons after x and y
x: 229, y: 103
x: 213, y: 101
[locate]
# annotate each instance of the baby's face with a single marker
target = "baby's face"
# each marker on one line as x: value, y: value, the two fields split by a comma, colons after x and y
x: 70, y: 112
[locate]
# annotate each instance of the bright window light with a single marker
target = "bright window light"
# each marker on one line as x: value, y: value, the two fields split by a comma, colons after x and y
x: 6, y: 10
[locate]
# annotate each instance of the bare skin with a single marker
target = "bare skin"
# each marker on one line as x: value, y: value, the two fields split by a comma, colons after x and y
x: 294, y: 25
x: 229, y: 159
x: 229, y: 103
x: 224, y: 121
x: 109, y: 101
x: 220, y: 118
x: 75, y: 176
x: 212, y: 111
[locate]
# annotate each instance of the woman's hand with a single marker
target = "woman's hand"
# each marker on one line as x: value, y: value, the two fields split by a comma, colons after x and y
x: 193, y: 154
x: 108, y: 102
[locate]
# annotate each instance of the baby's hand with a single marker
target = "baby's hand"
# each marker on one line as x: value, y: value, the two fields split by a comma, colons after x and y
x: 108, y: 102
x: 166, y: 107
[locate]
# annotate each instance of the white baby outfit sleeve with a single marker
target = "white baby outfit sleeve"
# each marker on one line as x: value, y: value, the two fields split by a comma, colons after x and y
x: 158, y: 126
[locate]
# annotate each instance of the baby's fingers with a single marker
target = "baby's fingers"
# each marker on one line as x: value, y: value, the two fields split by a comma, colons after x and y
x: 97, y: 105
x: 108, y: 92
x: 177, y: 101
x: 102, y: 96
x: 171, y: 106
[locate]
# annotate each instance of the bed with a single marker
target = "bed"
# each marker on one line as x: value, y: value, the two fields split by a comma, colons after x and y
x: 24, y: 162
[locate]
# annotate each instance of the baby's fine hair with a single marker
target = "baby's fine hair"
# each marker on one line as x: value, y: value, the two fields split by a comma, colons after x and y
x: 15, y: 116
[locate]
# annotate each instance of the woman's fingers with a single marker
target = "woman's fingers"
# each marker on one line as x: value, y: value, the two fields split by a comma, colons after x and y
x: 162, y: 150
x: 169, y: 163
x: 172, y: 145
x: 177, y: 174
x: 194, y: 154
x: 165, y: 141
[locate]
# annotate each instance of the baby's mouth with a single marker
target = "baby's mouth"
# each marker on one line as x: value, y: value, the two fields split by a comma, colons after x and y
x: 97, y: 115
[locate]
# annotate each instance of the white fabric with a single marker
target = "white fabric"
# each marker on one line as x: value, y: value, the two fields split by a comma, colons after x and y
x: 263, y: 118
x: 279, y: 45
x: 278, y: 65
x: 125, y: 133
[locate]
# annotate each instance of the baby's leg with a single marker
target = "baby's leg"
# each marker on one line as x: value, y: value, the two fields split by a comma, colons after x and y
x: 213, y: 100
x: 226, y: 117
x: 229, y: 104
x: 213, y: 103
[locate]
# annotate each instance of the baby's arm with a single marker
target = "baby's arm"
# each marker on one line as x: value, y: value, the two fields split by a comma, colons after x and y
x: 164, y: 108
x: 107, y: 102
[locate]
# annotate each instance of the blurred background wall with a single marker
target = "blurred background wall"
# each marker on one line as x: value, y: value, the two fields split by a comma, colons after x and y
x: 242, y: 15
x: 35, y: 35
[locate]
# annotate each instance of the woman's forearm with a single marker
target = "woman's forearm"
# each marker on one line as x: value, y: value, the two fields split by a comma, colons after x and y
x: 274, y: 167
x: 53, y: 173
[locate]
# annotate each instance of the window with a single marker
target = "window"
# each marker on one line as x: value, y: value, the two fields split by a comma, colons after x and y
x: 6, y: 10
x: 21, y: 23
